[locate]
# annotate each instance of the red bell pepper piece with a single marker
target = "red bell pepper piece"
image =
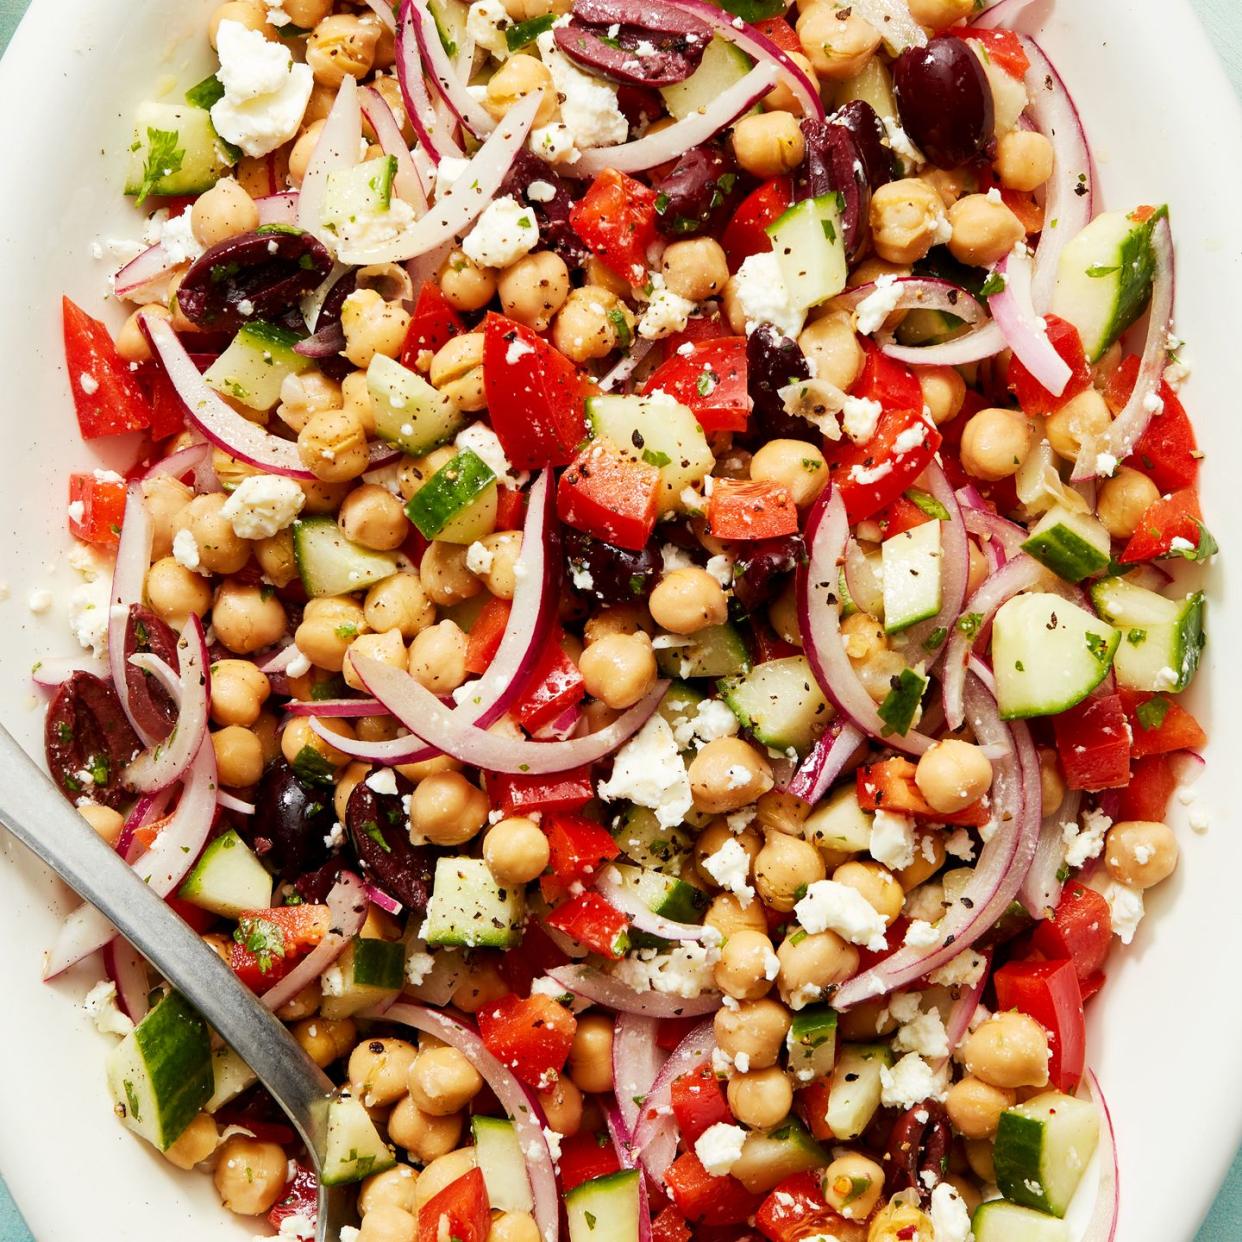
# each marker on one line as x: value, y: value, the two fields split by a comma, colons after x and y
x: 1049, y: 993
x: 894, y: 936
x: 269, y: 943
x: 200, y: 920
x: 485, y: 634
x: 796, y: 1209
x: 460, y: 1211
x: 672, y: 1031
x: 556, y: 791
x: 751, y: 509
x: 616, y: 218
x: 577, y: 847
x: 554, y: 685
x: 538, y: 955
x: 96, y: 507
x: 608, y: 494
x: 887, y: 381
x: 530, y: 1035
x: 709, y: 379
x: 698, y: 1104
x: 585, y: 1155
x: 1033, y: 397
x: 670, y: 1226
x: 746, y: 233
x: 1080, y: 930
x: 902, y: 515
x: 1152, y: 783
x: 1166, y: 451
x: 1092, y: 985
x: 1003, y: 47
x: 889, y: 786
x: 811, y: 1104
x: 872, y: 475
x: 1177, y: 517
x: 106, y: 394
x: 593, y: 922
x: 1159, y: 724
x: 167, y: 408
x: 781, y: 33
x: 698, y: 328
x: 510, y: 508
x: 1093, y: 743
x: 433, y: 324
x: 701, y: 1197
x: 300, y: 1198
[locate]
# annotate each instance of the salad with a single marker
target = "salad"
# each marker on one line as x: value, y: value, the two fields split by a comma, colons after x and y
x: 648, y: 621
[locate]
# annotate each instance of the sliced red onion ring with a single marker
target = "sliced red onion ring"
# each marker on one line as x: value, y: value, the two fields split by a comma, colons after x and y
x: 347, y: 904
x: 435, y: 137
x: 819, y: 617
x: 921, y: 293
x: 408, y: 184
x: 862, y: 580
x: 179, y: 463
x: 987, y: 524
x: 138, y: 275
x: 627, y: 366
x: 335, y: 707
x: 985, y: 341
x: 127, y: 968
x: 621, y: 998
x: 690, y: 131
x: 54, y: 672
x: 146, y: 810
x: 280, y: 660
x: 513, y: 1099
x: 387, y: 903
x: 1041, y: 890
x: 129, y: 575
x: 1101, y: 454
x: 337, y: 149
x: 1000, y: 15
x: 443, y: 73
x: 827, y: 760
x: 1102, y: 1227
x: 954, y: 573
x: 636, y: 1060
x: 229, y: 803
x: 894, y: 22
x: 621, y: 1138
x: 1024, y: 331
x: 278, y: 208
x: 964, y: 1007
x: 616, y: 894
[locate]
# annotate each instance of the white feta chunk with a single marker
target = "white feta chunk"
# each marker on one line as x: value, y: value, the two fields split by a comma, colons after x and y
x: 262, y: 505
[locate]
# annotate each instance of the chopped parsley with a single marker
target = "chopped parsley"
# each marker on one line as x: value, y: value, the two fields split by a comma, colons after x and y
x: 928, y: 504
x: 1097, y: 644
x: 311, y: 768
x: 164, y: 158
x: 621, y: 326
x: 263, y: 938
x: 970, y: 623
x: 372, y: 829
x: 1152, y: 713
x: 654, y: 458
x: 995, y: 283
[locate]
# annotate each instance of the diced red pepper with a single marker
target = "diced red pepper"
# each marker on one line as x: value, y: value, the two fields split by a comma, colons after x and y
x: 902, y: 515
x: 1028, y: 209
x: 670, y: 1226
x: 1093, y: 743
x: 269, y: 943
x: 300, y: 1198
x: 796, y: 1209
x: 167, y: 408
x: 699, y: 1103
x: 510, y: 509
x: 1080, y: 930
x: 701, y: 1197
x: 530, y: 1035
x: 556, y: 791
x: 594, y: 922
x: 698, y: 328
x: 894, y: 937
x: 106, y: 393
x: 887, y: 381
x: 539, y: 954
x: 200, y: 920
x: 1159, y: 724
x: 1049, y: 993
x: 96, y: 507
x: 872, y: 475
x: 811, y: 1103
x: 1177, y: 517
x: 1092, y: 985
x: 709, y: 379
x: 616, y: 218
x: 461, y: 1211
x: 1033, y: 397
x: 585, y: 1155
x: 485, y: 634
x: 781, y: 33
x: 433, y: 324
x: 1151, y: 786
x: 751, y: 509
x: 889, y: 786
x: 746, y: 233
x: 1166, y: 451
x: 1003, y: 47
x: 608, y: 494
x: 672, y: 1031
x: 577, y: 847
x: 553, y: 686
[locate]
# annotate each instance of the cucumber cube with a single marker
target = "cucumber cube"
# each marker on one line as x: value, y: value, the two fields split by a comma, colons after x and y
x: 854, y: 1094
x: 998, y: 1221
x: 409, y: 413
x: 1073, y: 545
x: 458, y: 503
x: 500, y: 1157
x: 812, y: 1042
x: 330, y: 564
x: 605, y: 1209
x: 717, y: 651
x: 780, y: 702
x: 911, y: 578
x: 1042, y: 1149
x: 839, y: 825
x: 255, y: 364
x: 768, y: 1159
x: 468, y: 907
x: 1162, y: 639
x: 228, y: 879
x: 368, y: 972
x: 641, y: 838
x: 353, y: 1148
x: 722, y: 66
x: 809, y: 244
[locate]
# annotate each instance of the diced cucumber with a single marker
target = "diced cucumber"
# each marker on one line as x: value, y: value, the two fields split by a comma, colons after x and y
x: 927, y: 327
x: 358, y: 205
x: 998, y: 1221
x: 255, y: 364
x: 1073, y: 545
x: 854, y: 1094
x: 723, y: 65
x: 812, y: 1042
x: 368, y: 972
x: 228, y: 879
x: 175, y: 150
x: 780, y: 702
x: 717, y: 651
x: 499, y: 1155
x: 408, y: 411
x: 768, y: 1158
x: 330, y: 564
x: 660, y: 432
x: 680, y: 704
x: 809, y: 244
x: 663, y: 894
x: 904, y: 701
x: 458, y: 503
x: 604, y: 1209
x: 1042, y: 1149
x: 353, y: 1148
x: 839, y: 824
x: 469, y: 907
x: 230, y: 1077
x: 1104, y: 277
x: 160, y: 1073
x: 1161, y: 639
x: 1048, y: 654
x: 641, y: 837
x: 450, y: 18
x: 912, y: 576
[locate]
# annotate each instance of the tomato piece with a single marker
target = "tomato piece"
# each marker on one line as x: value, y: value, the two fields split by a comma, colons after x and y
x: 707, y: 1199
x: 1175, y: 517
x: 96, y: 508
x: 1166, y: 451
x: 577, y: 848
x: 1003, y: 47
x: 872, y: 475
x: 1093, y: 743
x: 608, y: 494
x: 889, y: 785
x: 531, y: 1035
x: 709, y: 379
x: 1033, y: 397
x: 106, y: 394
x: 796, y: 1208
x: 510, y: 508
x: 894, y: 937
x: 300, y: 1198
x: 750, y: 509
x: 1028, y: 209
x: 594, y: 922
x: 167, y: 408
x: 433, y: 324
x: 460, y: 1211
x: 1159, y: 724
x: 269, y: 943
x: 585, y: 1155
x: 1092, y: 985
x: 616, y: 218
x: 1079, y: 930
x: 672, y: 1031
x: 557, y: 791
x: 698, y: 328
x: 485, y: 634
x: 1049, y: 993
x: 887, y: 381
x: 902, y: 515
x: 670, y: 1226
x: 539, y: 954
x: 1152, y: 783
x: 699, y: 1103
x: 811, y: 1103
x: 554, y: 686
x: 746, y: 233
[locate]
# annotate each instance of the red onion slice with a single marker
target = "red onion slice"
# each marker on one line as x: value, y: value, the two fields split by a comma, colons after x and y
x: 383, y: 10
x: 179, y: 463
x: 922, y: 293
x: 964, y: 1007
x: 1102, y: 1227
x: 408, y: 184
x: 387, y: 903
x: 335, y: 707
x: 1041, y: 890
x: 129, y: 575
x: 636, y: 1060
x: 610, y: 887
x: 627, y: 366
x: 655, y: 1136
x: 1000, y: 16
x: 127, y: 968
x: 337, y: 149
x: 508, y: 1091
x: 138, y: 275
x: 278, y: 208
x: 1024, y: 331
x: 435, y: 137
x: 984, y: 342
x: 827, y: 760
x: 621, y: 998
x: 620, y: 1136
x: 55, y: 672
x: 987, y: 524
x: 229, y: 803
x: 452, y: 88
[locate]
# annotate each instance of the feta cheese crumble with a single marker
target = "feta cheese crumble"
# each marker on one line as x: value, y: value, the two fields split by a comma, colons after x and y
x: 588, y: 105
x: 265, y: 93
x: 1085, y: 842
x: 101, y: 1007
x: 830, y: 906
x: 649, y: 771
x: 729, y: 866
x: 719, y: 1147
x: 892, y: 840
x: 1125, y: 904
x: 504, y: 233
x: 262, y: 505
x: 762, y: 295
x: 876, y: 307
x: 909, y: 1082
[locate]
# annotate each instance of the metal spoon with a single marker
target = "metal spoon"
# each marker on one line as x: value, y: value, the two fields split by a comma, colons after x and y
x: 33, y: 810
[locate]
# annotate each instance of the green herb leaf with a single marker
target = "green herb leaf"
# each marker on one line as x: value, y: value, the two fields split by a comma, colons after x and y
x: 206, y: 93
x: 1098, y: 270
x: 1097, y: 644
x: 935, y: 639
x: 1152, y: 713
x: 995, y: 283
x: 654, y: 458
x: 263, y: 938
x: 928, y: 503
x: 970, y: 623
x: 164, y: 158
x: 621, y: 326
x: 311, y: 768
x: 372, y: 830
x: 522, y: 33
x: 898, y: 709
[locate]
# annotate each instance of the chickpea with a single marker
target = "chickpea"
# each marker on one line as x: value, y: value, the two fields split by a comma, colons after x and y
x: 852, y: 1185
x: 797, y: 466
x: 953, y: 774
x: 442, y: 1081
x: 1140, y: 853
x: 782, y: 812
x: 810, y: 965
x: 298, y: 735
x: 769, y: 144
x: 444, y: 575
x: 219, y: 549
x: 515, y: 850
x: 728, y: 916
x: 1024, y: 159
x: 586, y: 327
x: 346, y: 783
x: 1008, y: 1050
x: 874, y: 882
x: 372, y: 326
x: 248, y: 13
x: 224, y: 211
x: 520, y: 76
x: 728, y: 773
x: 598, y: 273
x: 447, y: 809
x: 303, y: 394
x: 514, y: 1227
x: 303, y: 152
x: 247, y: 618
x: 994, y: 443
x: 195, y: 1143
x: 619, y: 669
x: 373, y: 517
x: 106, y: 822
x: 480, y: 985
x: 975, y: 1106
x: 175, y: 592
x: 1051, y: 784
x: 329, y: 624
x: 388, y: 1224
x: 899, y: 1220
x: 939, y: 15
x: 590, y: 1055
x: 781, y: 96
x: 442, y: 1172
x: 837, y: 42
x: 944, y: 391
x: 505, y: 550
x: 378, y: 1070
x: 979, y: 1157
x: 426, y: 1138
x: 307, y: 14
x: 239, y: 755
x: 457, y: 371
x: 951, y: 183
x: 929, y: 856
x: 747, y: 966
x: 695, y: 268
x: 355, y: 399
x: 392, y: 1188
x: 166, y: 498
x: 325, y: 1040
x: 341, y: 46
x: 783, y: 615
x: 1123, y: 500
x: 753, y: 1033
x: 906, y: 218
x: 534, y: 288
x: 1078, y: 420
x: 619, y: 619
x: 761, y: 1099
x: 562, y: 1105
x: 784, y: 866
x: 688, y: 600
x: 333, y: 446
x: 388, y: 648
x: 466, y: 286
x: 985, y: 230
x: 437, y: 658
x: 250, y: 1175
x: 399, y: 603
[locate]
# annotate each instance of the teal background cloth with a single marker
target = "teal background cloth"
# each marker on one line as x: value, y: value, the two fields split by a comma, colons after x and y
x: 1223, y: 19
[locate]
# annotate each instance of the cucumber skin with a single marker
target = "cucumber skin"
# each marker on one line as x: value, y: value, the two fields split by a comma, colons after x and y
x: 310, y: 533
x: 379, y: 964
x: 449, y: 493
x: 1068, y: 556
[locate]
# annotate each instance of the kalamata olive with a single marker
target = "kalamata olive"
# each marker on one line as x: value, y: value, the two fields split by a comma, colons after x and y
x: 697, y: 192
x: 607, y: 574
x: 945, y: 101
x: 291, y: 822
x: 833, y: 162
x: 259, y: 275
x: 151, y: 704
x: 380, y: 831
x: 918, y: 1150
x: 314, y: 886
x: 761, y: 570
x: 88, y: 741
x: 644, y: 44
x: 329, y: 339
x: 870, y: 137
x: 552, y: 215
x: 772, y: 361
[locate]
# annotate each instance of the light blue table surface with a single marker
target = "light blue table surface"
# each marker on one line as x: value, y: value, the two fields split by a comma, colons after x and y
x: 1223, y: 19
